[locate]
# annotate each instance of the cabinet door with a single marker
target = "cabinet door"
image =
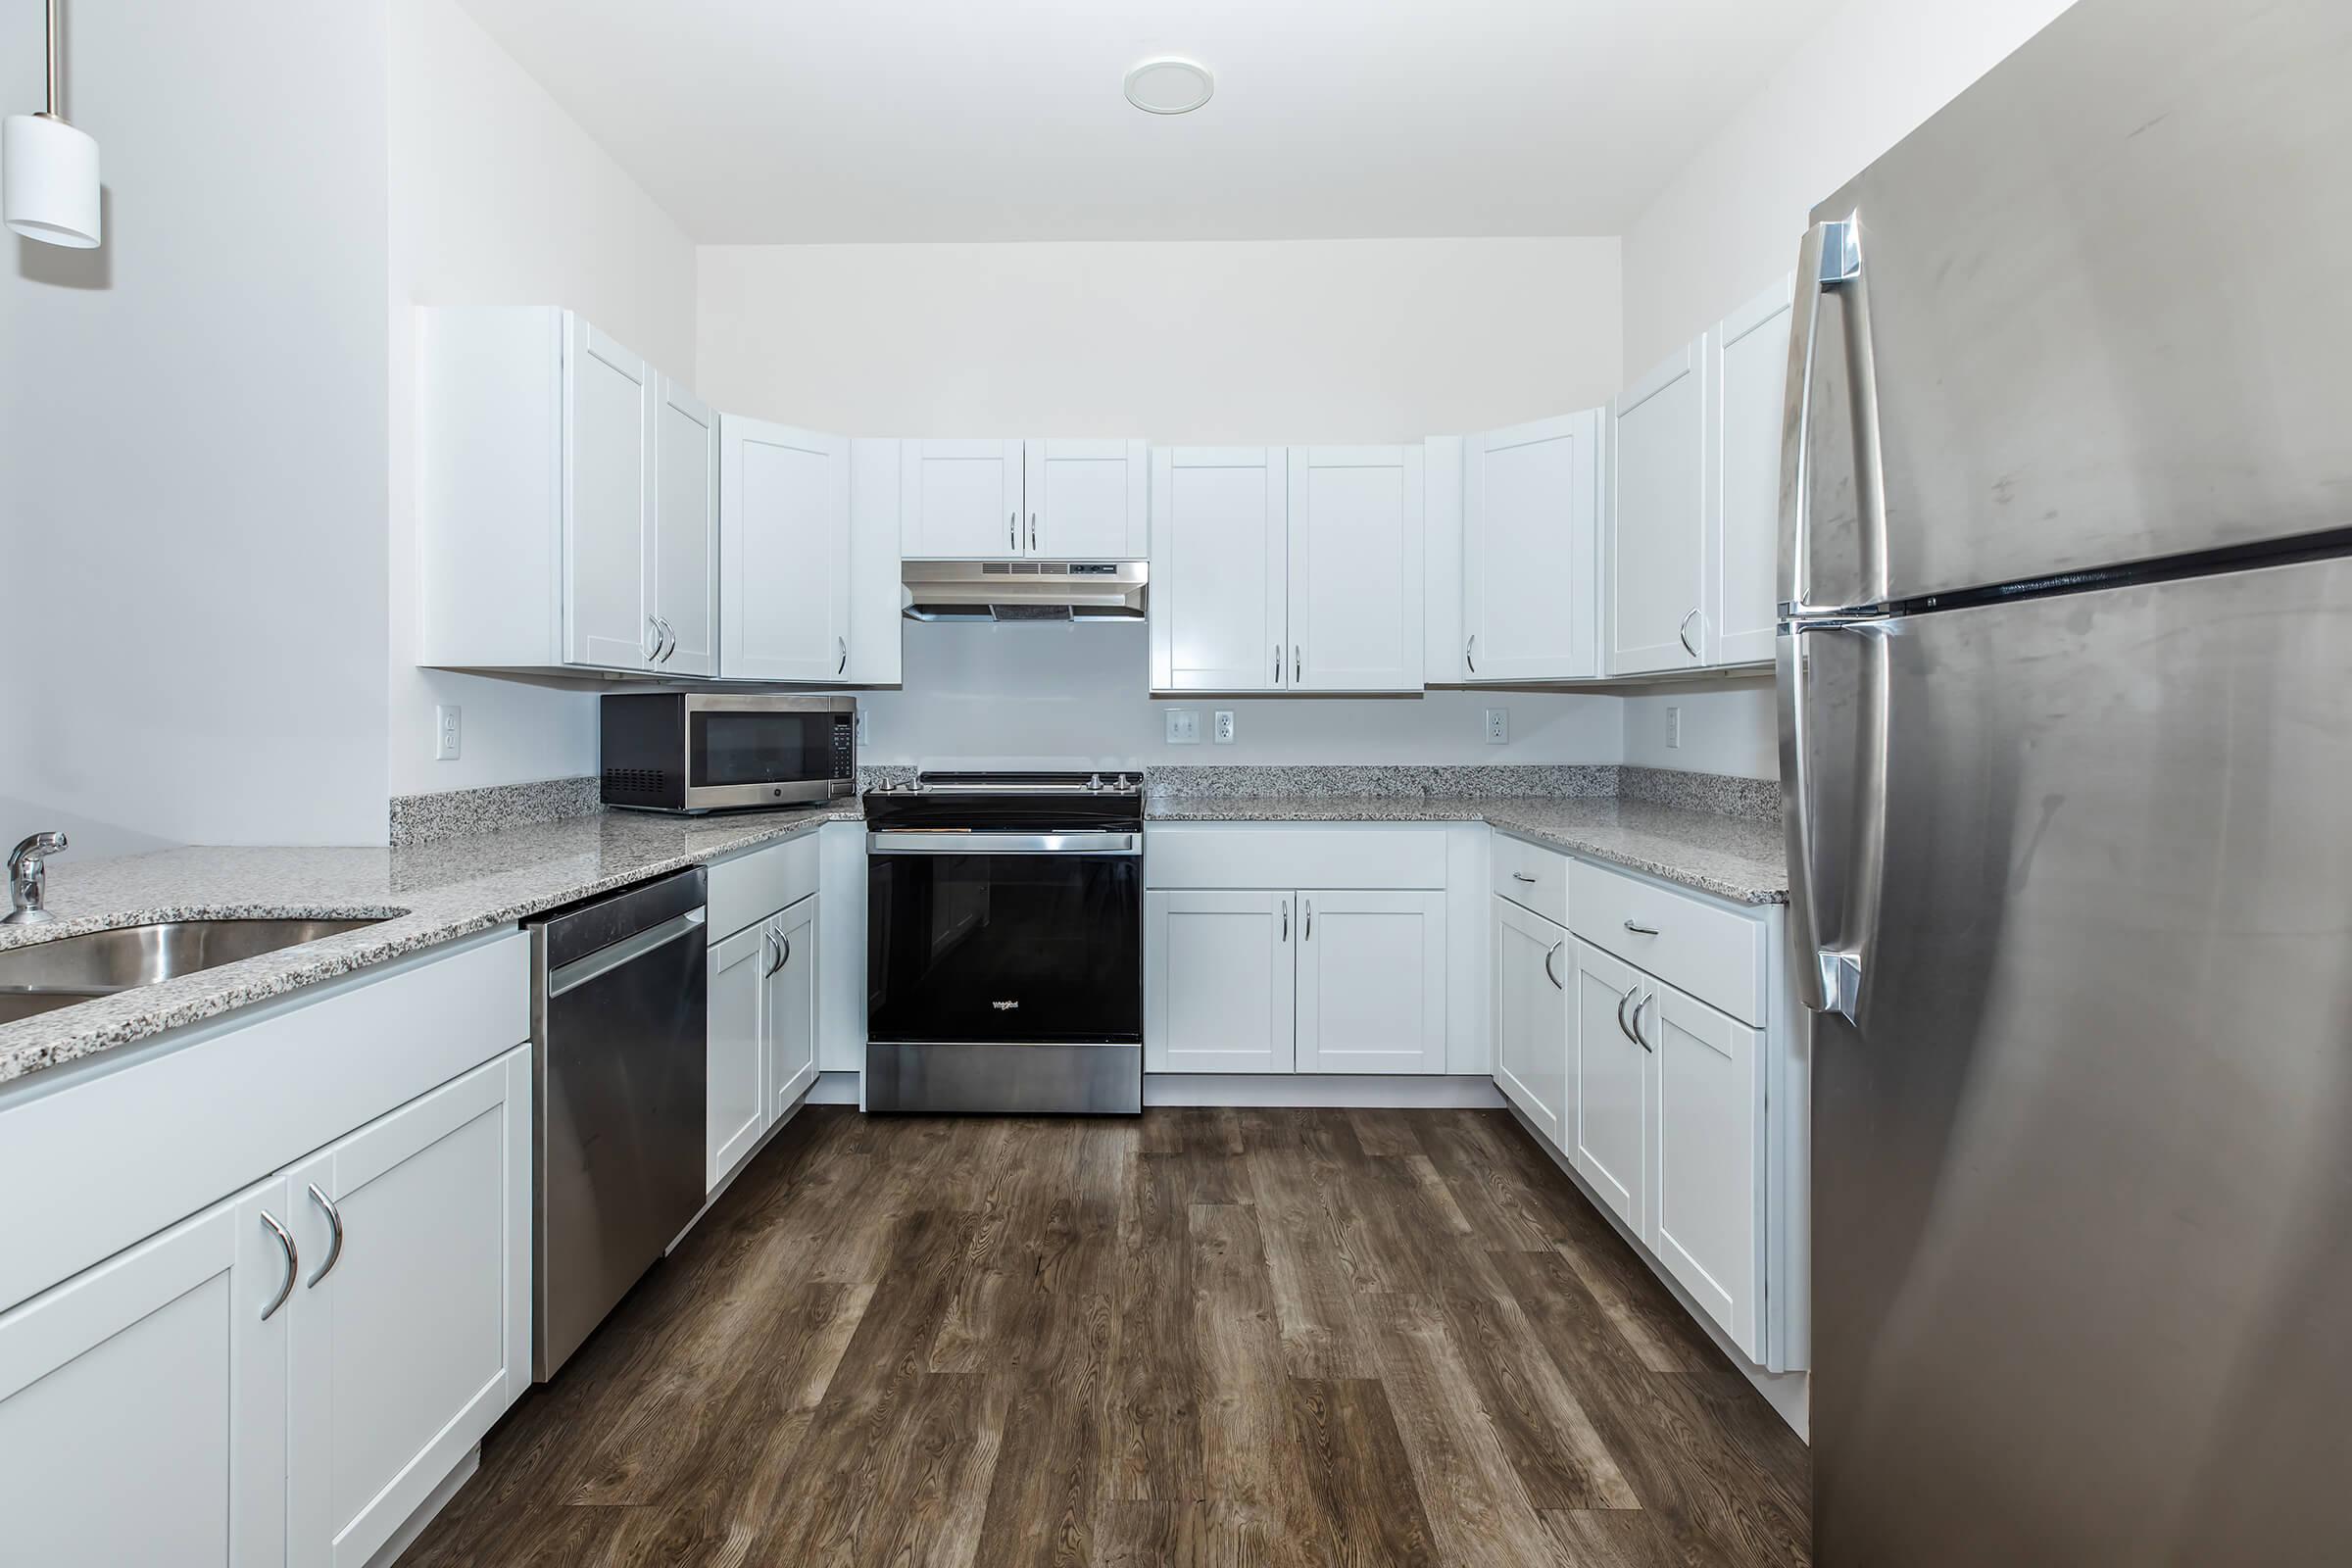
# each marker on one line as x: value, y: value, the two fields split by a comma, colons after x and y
x: 1653, y: 593
x: 143, y: 1401
x: 1218, y: 980
x: 737, y: 1095
x: 789, y: 1006
x: 1371, y: 981
x: 1530, y: 549
x: 1710, y: 1159
x: 961, y: 499
x: 1532, y: 1022
x: 1748, y: 378
x: 1355, y: 568
x: 1086, y: 500
x: 413, y: 1336
x: 1612, y: 1084
x: 683, y: 566
x: 784, y: 543
x: 609, y: 397
x: 875, y: 576
x: 1219, y: 560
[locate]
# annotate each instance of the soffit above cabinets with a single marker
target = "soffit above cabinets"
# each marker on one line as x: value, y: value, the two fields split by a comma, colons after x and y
x: 753, y: 123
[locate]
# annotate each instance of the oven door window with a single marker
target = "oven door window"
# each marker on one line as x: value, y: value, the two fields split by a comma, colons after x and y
x: 726, y: 749
x: 1004, y: 948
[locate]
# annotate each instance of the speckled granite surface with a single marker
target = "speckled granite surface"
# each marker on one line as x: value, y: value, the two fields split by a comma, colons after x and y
x: 429, y: 894
x: 456, y: 814
x: 1475, y: 782
x: 1719, y: 793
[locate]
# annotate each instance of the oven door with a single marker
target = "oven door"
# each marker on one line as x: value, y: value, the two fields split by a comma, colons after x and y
x: 1005, y: 937
x: 758, y: 750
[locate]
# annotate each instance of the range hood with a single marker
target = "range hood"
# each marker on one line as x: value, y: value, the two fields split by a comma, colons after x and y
x: 1024, y: 590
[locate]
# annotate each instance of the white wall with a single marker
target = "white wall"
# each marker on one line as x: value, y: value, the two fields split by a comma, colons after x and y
x: 1207, y: 342
x: 192, y: 436
x: 1730, y: 221
x: 499, y: 198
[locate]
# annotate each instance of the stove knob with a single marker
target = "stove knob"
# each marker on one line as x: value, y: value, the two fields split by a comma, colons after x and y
x: 1095, y: 783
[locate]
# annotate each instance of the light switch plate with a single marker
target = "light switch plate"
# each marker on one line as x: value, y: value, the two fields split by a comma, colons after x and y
x: 1183, y: 726
x: 448, y: 734
x: 1223, y: 732
x: 1499, y: 726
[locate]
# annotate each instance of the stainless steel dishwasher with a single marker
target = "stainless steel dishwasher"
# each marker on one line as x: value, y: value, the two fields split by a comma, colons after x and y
x: 619, y: 1003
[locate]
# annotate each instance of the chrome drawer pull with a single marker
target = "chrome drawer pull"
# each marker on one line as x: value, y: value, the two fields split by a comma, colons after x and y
x: 1641, y: 930
x: 1521, y: 877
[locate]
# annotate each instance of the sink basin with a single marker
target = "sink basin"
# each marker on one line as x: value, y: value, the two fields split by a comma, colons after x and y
x: 48, y: 975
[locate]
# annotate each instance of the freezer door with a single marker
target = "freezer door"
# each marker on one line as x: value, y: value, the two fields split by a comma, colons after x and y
x: 2082, y: 1155
x: 2107, y: 318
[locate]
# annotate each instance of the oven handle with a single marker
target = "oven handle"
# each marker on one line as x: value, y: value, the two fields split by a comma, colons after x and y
x: 960, y: 841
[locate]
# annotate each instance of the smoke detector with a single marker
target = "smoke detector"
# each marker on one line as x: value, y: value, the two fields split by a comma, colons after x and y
x: 1169, y: 84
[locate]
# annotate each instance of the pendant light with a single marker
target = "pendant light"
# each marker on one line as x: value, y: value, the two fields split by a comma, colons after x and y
x: 49, y: 170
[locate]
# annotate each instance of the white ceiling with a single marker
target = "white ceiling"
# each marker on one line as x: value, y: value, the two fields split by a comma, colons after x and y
x: 788, y: 120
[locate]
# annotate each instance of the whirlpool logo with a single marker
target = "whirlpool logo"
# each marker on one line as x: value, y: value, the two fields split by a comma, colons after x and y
x: 1004, y: 1007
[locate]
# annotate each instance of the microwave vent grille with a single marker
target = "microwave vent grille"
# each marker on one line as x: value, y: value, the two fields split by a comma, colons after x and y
x: 635, y: 780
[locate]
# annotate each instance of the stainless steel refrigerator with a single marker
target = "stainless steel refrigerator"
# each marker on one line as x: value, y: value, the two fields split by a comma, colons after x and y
x: 2066, y: 704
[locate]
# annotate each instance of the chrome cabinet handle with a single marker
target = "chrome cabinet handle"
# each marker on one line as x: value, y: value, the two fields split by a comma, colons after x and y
x: 334, y: 1235
x: 841, y: 665
x: 1012, y: 532
x: 293, y: 1265
x: 1033, y: 533
x: 1641, y: 930
x: 1551, y: 953
x: 670, y: 640
x: 1640, y: 1039
x: 651, y: 649
x: 1278, y: 663
x: 1286, y: 919
x: 1470, y: 653
x: 1682, y: 632
x: 1296, y: 663
x: 1622, y: 1003
x: 1521, y: 877
x: 1309, y: 935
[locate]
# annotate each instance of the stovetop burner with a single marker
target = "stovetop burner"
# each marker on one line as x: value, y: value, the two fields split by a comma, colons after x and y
x: 1011, y: 801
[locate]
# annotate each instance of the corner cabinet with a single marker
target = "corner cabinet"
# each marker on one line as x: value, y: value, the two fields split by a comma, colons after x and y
x: 1022, y: 500
x: 566, y: 498
x: 1531, y: 504
x: 1653, y: 550
x: 1297, y: 571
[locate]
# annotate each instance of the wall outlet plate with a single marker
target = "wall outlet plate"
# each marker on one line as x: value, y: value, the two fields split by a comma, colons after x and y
x: 1499, y: 726
x: 1223, y: 731
x: 1674, y: 729
x: 1183, y: 726
x: 448, y: 737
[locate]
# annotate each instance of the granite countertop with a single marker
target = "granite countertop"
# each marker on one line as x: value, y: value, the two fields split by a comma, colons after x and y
x: 1736, y: 858
x: 426, y: 895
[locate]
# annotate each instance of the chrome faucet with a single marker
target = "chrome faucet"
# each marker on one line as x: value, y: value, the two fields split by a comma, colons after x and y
x: 28, y: 879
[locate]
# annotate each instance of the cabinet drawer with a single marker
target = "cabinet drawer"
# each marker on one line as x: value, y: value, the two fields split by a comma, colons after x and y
x: 752, y: 887
x: 1709, y: 951
x: 1532, y: 876
x: 1245, y: 855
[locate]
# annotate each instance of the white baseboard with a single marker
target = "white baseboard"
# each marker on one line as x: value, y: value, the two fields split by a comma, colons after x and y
x: 429, y: 1510
x: 834, y: 1089
x: 1332, y: 1090
x: 1790, y: 1394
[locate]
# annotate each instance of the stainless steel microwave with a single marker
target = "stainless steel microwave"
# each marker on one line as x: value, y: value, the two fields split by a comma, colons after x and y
x: 693, y: 751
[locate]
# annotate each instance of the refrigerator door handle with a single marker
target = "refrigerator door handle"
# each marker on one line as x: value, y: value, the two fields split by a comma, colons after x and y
x: 1829, y: 962
x: 1831, y: 258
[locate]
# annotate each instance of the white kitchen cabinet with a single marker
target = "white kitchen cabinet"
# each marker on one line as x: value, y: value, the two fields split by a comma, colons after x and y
x: 1610, y: 1125
x: 1219, y: 978
x: 683, y: 544
x: 1355, y: 568
x: 784, y: 553
x: 1747, y: 383
x: 1532, y: 1038
x: 1531, y: 504
x: 960, y: 501
x: 411, y: 1325
x: 1371, y: 982
x: 735, y: 1087
x: 1653, y: 550
x: 1219, y: 597
x: 143, y: 1401
x: 566, y: 501
x: 788, y: 1006
x: 1710, y: 1177
x: 874, y: 573
x: 1085, y: 500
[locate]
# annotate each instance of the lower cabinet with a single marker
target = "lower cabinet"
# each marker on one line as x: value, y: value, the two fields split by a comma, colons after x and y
x: 763, y: 1031
x: 1531, y: 1039
x: 1709, y: 1207
x: 1219, y: 978
x: 1608, y: 1137
x: 1371, y: 983
x: 285, y: 1375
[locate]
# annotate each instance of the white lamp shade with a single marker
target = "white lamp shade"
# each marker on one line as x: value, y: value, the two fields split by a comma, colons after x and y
x: 49, y: 180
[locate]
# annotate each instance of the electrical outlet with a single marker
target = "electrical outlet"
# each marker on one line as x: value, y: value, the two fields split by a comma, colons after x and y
x: 1499, y: 726
x: 1224, y: 727
x: 1183, y: 726
x: 448, y: 737
x: 1674, y: 729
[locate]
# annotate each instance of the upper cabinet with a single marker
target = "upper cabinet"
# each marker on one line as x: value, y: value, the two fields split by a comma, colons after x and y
x: 1355, y: 568
x: 1530, y: 504
x: 1653, y: 553
x: 784, y: 552
x: 566, y: 498
x: 1021, y: 499
x: 1748, y: 380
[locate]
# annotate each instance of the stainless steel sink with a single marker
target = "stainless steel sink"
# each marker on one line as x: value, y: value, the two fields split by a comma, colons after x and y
x: 47, y: 975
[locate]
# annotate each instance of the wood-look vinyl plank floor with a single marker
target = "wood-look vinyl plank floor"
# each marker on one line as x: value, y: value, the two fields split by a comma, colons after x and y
x: 1201, y: 1338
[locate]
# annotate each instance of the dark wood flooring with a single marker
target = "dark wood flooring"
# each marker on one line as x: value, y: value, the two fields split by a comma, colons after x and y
x: 1204, y: 1336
